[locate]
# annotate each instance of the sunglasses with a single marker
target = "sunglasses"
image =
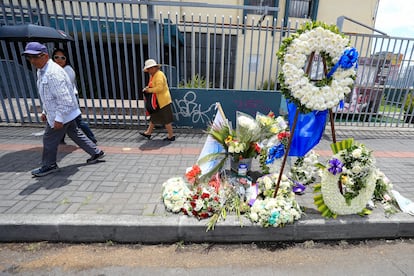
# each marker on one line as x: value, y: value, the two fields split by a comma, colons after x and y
x: 59, y: 57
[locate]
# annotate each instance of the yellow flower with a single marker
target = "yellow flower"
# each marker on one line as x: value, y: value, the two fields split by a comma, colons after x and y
x: 228, y: 139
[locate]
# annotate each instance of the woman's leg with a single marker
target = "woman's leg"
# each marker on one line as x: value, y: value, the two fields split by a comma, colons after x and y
x: 150, y: 128
x: 169, y: 129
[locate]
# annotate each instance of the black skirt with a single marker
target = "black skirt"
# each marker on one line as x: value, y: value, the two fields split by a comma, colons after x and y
x: 163, y: 116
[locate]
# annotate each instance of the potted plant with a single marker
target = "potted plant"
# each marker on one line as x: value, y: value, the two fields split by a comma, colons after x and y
x: 408, y: 109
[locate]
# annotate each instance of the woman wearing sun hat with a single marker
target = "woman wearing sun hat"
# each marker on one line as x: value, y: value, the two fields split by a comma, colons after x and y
x: 158, y: 84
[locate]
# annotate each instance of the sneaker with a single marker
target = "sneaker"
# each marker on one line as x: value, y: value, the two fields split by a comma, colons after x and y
x: 96, y: 157
x: 45, y: 170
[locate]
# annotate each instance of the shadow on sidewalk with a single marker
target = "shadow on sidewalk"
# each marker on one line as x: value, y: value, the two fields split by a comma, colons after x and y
x: 55, y: 180
x: 154, y: 144
x: 28, y: 159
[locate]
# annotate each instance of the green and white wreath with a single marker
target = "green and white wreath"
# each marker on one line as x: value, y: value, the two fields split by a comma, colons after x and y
x: 340, y: 60
x: 348, y: 180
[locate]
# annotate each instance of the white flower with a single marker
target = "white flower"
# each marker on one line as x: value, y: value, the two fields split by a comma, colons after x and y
x: 315, y: 40
x: 174, y: 193
x: 254, y: 216
x: 357, y: 153
x: 356, y: 169
x: 336, y: 201
x: 199, y: 205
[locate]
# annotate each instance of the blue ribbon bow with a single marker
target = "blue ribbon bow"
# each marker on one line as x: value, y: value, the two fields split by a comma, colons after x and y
x: 346, y: 61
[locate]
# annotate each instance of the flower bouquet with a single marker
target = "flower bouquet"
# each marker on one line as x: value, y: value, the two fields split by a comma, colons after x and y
x: 238, y: 144
x: 175, y: 192
x: 274, y: 140
x: 274, y: 211
x: 202, y: 202
x: 201, y: 199
x: 305, y: 170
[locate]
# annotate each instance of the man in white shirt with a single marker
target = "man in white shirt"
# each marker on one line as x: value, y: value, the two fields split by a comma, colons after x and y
x: 60, y: 109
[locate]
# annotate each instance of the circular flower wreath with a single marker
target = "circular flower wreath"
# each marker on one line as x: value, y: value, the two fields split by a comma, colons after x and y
x: 348, y: 181
x: 336, y: 202
x: 332, y: 46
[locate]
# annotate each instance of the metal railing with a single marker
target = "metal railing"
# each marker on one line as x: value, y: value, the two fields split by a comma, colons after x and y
x: 112, y: 39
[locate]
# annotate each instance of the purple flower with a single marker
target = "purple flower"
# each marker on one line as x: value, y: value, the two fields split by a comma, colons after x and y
x: 336, y: 166
x: 298, y: 188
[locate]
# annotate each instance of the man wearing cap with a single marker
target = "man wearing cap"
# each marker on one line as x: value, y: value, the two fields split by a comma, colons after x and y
x: 60, y: 109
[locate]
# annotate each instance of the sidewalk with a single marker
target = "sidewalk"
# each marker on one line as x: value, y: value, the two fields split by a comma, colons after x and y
x: 120, y: 199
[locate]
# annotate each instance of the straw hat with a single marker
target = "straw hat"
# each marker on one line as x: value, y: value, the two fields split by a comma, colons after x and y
x: 150, y: 63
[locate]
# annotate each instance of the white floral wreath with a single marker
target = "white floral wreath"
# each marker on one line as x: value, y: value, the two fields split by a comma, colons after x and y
x: 351, y: 170
x: 318, y: 38
x: 336, y: 202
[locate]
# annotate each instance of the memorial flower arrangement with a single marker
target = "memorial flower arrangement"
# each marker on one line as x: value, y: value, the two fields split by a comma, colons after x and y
x: 241, y: 142
x: 348, y: 180
x: 175, y: 192
x: 324, y: 40
x: 202, y: 202
x: 269, y: 211
x: 270, y: 125
x: 305, y: 170
x: 274, y: 140
x: 193, y: 197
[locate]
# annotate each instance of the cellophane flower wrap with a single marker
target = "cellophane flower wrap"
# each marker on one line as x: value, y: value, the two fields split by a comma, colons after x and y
x: 244, y: 144
x: 241, y: 142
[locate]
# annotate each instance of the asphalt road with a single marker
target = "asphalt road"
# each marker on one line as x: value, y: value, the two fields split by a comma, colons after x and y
x: 368, y: 257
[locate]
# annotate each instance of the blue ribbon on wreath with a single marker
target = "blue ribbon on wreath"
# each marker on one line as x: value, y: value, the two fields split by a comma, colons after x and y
x: 348, y: 59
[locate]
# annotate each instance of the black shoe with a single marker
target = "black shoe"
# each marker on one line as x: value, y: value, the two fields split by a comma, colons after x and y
x: 148, y: 136
x: 96, y: 157
x: 45, y: 170
x: 169, y: 139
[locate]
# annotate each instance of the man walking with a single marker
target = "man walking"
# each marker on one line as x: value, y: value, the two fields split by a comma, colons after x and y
x: 60, y: 109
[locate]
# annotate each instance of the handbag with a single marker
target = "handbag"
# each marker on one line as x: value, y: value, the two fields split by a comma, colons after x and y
x: 151, y: 103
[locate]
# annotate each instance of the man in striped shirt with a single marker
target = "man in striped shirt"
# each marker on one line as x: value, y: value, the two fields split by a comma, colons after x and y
x: 60, y: 109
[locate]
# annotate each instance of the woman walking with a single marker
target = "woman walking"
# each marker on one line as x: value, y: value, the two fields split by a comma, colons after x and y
x: 158, y: 85
x: 59, y: 56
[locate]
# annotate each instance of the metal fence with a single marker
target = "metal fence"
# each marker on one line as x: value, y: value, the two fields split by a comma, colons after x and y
x: 112, y: 39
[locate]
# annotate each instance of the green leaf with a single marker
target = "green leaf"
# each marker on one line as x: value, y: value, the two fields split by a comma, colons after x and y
x: 342, y: 145
x: 317, y: 188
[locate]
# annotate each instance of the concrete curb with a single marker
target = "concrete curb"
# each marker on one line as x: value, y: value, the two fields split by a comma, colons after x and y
x: 176, y: 228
